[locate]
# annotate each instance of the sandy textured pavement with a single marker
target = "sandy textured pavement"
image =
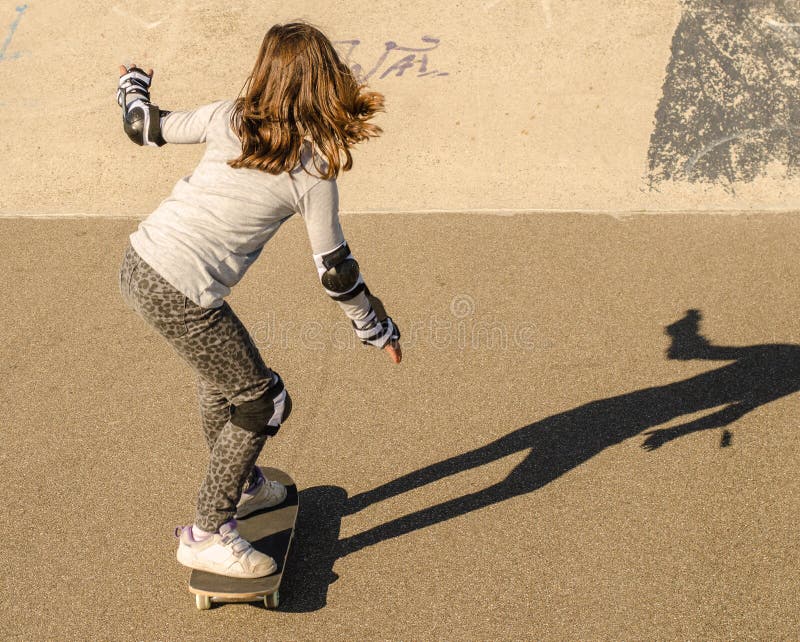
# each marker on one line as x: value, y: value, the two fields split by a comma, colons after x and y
x: 594, y: 432
x: 496, y: 485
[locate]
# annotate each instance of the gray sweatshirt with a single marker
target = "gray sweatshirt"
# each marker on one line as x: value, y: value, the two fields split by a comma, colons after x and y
x: 214, y: 224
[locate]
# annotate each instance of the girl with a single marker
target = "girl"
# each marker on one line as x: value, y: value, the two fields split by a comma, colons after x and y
x: 274, y: 151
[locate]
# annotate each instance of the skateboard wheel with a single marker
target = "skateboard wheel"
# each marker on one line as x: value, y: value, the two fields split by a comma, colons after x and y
x: 272, y: 601
x: 203, y: 602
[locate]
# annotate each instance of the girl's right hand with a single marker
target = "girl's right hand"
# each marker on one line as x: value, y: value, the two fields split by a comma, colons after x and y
x: 124, y: 70
x: 395, y: 353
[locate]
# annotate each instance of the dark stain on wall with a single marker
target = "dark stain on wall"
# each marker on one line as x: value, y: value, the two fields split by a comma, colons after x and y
x: 731, y: 100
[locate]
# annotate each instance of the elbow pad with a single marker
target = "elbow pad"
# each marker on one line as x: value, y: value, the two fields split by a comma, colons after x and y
x: 142, y: 123
x: 338, y: 271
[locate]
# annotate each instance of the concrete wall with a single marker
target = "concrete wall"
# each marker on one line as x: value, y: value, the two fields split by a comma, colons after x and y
x: 619, y: 105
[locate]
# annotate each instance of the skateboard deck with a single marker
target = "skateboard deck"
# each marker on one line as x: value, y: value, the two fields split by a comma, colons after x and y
x: 270, y: 531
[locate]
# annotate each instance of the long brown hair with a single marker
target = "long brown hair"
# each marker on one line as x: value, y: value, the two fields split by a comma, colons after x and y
x: 298, y: 89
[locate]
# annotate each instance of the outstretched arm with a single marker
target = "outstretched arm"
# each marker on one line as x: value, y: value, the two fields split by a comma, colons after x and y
x: 339, y: 272
x: 719, y: 419
x: 146, y: 124
x: 687, y: 342
x: 141, y: 119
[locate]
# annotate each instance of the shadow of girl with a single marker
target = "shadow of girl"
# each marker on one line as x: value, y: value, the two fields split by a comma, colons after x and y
x: 757, y: 375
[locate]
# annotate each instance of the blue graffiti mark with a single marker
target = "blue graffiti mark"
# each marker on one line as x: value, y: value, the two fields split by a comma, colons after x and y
x: 4, y: 47
x: 385, y: 65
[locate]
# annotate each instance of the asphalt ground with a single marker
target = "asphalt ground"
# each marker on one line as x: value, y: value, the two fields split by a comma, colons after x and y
x: 593, y: 434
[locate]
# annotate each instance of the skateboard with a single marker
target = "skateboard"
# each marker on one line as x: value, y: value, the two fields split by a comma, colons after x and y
x: 270, y: 531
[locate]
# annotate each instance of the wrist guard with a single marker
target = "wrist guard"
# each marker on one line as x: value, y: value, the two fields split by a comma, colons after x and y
x: 377, y: 333
x: 141, y: 119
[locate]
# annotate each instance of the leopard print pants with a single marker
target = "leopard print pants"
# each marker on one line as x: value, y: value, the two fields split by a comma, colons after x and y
x: 229, y: 371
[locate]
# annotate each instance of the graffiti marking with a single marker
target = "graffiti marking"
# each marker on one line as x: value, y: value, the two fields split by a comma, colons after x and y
x: 4, y: 47
x: 415, y: 57
x: 781, y: 25
x: 142, y: 23
x: 548, y: 13
x: 547, y: 10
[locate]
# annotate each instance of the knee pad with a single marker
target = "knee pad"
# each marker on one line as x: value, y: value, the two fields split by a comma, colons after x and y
x: 264, y: 415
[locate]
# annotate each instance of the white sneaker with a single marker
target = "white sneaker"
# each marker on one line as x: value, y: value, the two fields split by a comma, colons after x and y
x: 262, y: 494
x: 224, y: 553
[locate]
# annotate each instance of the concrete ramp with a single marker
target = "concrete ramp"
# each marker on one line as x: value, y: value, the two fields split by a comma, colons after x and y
x: 496, y: 105
x: 492, y: 105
